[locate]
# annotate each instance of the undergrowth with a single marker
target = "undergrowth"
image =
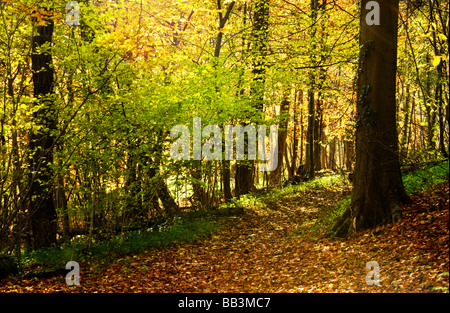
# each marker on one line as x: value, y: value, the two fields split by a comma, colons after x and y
x: 192, y: 226
x: 262, y: 200
x: 415, y: 181
x: 183, y: 228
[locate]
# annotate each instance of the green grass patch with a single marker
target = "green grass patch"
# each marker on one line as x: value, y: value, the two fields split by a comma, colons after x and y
x: 415, y: 181
x: 425, y: 178
x: 183, y: 228
x: 323, y: 224
x: 192, y: 226
x: 267, y: 199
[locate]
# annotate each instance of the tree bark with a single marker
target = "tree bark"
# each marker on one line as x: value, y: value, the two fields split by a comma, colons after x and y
x: 244, y: 169
x: 312, y: 125
x: 404, y: 138
x: 226, y: 174
x: 41, y: 144
x: 275, y: 175
x: 379, y: 190
x: 309, y: 157
x: 297, y: 124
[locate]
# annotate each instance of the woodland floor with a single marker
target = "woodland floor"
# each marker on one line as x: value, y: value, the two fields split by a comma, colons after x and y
x: 262, y: 251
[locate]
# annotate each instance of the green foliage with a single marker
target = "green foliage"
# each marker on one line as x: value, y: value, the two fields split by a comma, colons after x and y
x: 264, y: 199
x: 414, y: 181
x: 323, y: 223
x: 183, y: 228
x: 426, y: 177
x: 7, y: 266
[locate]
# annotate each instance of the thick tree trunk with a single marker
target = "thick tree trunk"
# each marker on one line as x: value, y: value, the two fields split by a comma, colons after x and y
x: 42, y: 206
x: 379, y: 190
x: 243, y: 178
x: 244, y: 169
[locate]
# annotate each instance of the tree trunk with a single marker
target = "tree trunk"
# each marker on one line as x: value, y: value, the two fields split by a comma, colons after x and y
x: 312, y: 125
x: 275, y: 175
x: 61, y: 203
x: 226, y: 174
x: 441, y: 122
x: 243, y: 178
x: 159, y: 186
x: 42, y: 206
x: 440, y: 104
x: 404, y: 138
x: 244, y: 169
x: 309, y: 160
x: 226, y: 178
x: 169, y: 204
x: 293, y: 166
x: 379, y: 190
x: 332, y: 154
x: 133, y: 197
x: 348, y: 154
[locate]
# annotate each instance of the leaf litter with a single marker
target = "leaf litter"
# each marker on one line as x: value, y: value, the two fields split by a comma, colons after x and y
x: 262, y: 251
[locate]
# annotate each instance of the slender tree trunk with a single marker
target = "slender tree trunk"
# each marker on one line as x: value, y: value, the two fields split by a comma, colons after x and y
x: 311, y: 130
x: 301, y: 132
x: 159, y: 186
x: 441, y: 123
x: 226, y: 178
x: 404, y: 138
x: 309, y: 162
x: 295, y: 138
x: 440, y: 104
x: 332, y: 154
x: 41, y: 202
x: 438, y: 100
x: 275, y: 175
x: 61, y: 203
x: 133, y: 187
x: 318, y: 134
x: 379, y: 190
x: 226, y: 174
x: 348, y: 154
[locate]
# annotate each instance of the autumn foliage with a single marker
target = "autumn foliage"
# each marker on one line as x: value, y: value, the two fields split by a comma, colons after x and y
x: 261, y: 251
x: 87, y: 175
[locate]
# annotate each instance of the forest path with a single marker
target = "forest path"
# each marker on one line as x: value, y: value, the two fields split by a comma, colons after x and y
x: 262, y: 251
x: 257, y: 251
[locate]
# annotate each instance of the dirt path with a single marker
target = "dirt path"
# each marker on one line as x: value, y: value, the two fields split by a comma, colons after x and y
x: 256, y: 252
x: 259, y: 251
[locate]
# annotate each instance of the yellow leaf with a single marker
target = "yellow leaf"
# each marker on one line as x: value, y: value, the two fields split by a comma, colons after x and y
x: 437, y: 61
x: 442, y: 37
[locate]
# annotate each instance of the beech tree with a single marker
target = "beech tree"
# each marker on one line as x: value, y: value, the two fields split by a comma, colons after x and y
x: 42, y: 207
x: 244, y: 170
x: 379, y: 190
